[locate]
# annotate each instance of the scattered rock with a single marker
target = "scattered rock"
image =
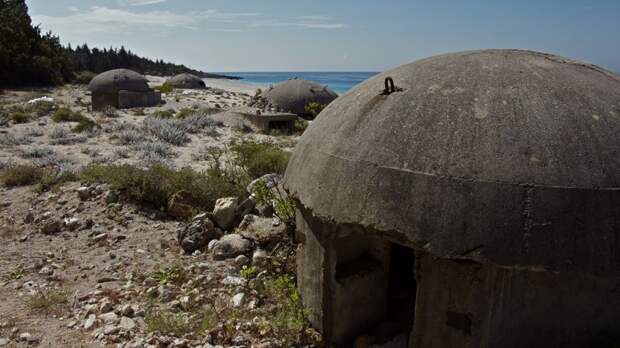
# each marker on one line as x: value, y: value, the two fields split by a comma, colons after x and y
x: 127, y: 311
x: 261, y: 230
x: 197, y: 234
x: 180, y: 205
x: 260, y: 258
x: 231, y: 245
x: 224, y: 212
x: 237, y: 300
x: 51, y: 227
x: 4, y: 341
x: 72, y: 224
x: 109, y: 318
x: 84, y: 193
x: 127, y: 324
x: 241, y: 261
x: 90, y: 322
x: 106, y: 306
x: 100, y: 237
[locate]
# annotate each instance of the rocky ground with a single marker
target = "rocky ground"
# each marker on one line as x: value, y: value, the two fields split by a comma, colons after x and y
x: 83, y: 266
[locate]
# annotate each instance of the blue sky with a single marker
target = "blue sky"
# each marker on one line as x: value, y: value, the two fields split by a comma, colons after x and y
x: 333, y: 35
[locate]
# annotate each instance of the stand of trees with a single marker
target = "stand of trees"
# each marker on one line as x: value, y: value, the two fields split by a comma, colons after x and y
x: 96, y: 60
x: 28, y: 57
x: 31, y: 58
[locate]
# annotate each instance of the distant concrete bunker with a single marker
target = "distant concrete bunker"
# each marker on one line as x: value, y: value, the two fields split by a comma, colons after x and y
x: 474, y: 203
x: 295, y: 94
x: 122, y: 89
x: 186, y: 81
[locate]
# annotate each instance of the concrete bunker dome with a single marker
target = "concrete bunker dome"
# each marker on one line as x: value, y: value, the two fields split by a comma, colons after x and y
x: 186, y: 81
x: 293, y: 95
x: 122, y: 88
x: 497, y: 170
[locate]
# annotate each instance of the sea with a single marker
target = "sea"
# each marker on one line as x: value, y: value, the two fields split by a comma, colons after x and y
x: 340, y: 82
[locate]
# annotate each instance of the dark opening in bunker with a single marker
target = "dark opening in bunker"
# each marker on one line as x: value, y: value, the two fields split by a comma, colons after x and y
x: 402, y: 289
x: 375, y: 290
x: 280, y: 125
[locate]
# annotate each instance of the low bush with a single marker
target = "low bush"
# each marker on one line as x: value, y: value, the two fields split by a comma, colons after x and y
x: 84, y: 77
x: 67, y: 115
x: 180, y: 324
x: 259, y: 158
x: 21, y: 175
x: 44, y: 179
x: 169, y: 130
x: 62, y: 136
x: 315, y: 109
x: 165, y: 88
x: 40, y: 108
x: 164, y: 113
x: 49, y: 301
x: 289, y: 317
x: 86, y: 125
x: 19, y: 117
x: 153, y: 186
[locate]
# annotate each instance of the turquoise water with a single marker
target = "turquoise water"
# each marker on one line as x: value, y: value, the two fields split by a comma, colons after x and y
x: 340, y: 82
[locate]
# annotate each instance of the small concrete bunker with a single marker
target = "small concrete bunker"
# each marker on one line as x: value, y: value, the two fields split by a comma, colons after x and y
x: 268, y: 121
x: 293, y: 95
x: 122, y: 89
x: 474, y: 203
x: 186, y: 81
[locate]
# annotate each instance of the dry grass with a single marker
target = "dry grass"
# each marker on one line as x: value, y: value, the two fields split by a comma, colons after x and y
x: 49, y: 301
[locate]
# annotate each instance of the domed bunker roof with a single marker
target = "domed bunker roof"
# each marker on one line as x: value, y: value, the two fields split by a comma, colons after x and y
x: 116, y: 80
x: 188, y: 81
x: 501, y: 155
x: 293, y: 95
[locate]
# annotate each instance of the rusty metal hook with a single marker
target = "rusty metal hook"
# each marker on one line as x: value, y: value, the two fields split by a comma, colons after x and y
x: 390, y: 87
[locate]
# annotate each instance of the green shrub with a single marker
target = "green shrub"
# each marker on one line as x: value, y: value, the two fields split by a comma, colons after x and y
x: 19, y: 117
x: 45, y: 179
x: 84, y: 77
x: 40, y: 108
x: 21, y: 175
x: 153, y: 186
x: 49, y: 301
x: 67, y: 115
x: 300, y: 126
x: 258, y: 159
x: 52, y: 179
x: 289, y: 317
x: 179, y: 324
x: 175, y: 274
x: 315, y: 109
x: 165, y: 88
x: 164, y: 113
x: 284, y: 206
x: 86, y: 125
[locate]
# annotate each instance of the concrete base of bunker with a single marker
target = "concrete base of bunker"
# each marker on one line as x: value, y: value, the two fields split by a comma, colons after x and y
x: 356, y: 282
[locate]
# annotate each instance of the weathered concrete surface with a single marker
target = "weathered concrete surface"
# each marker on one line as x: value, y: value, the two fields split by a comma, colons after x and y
x: 116, y: 80
x: 293, y: 95
x: 186, y: 81
x: 503, y: 156
x: 469, y: 305
x: 122, y: 89
x: 128, y: 99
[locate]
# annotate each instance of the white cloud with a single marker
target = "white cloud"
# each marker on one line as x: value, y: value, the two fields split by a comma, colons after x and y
x: 140, y: 2
x: 114, y: 20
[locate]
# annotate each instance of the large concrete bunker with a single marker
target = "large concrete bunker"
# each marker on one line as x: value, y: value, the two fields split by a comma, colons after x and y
x: 474, y: 203
x: 122, y: 89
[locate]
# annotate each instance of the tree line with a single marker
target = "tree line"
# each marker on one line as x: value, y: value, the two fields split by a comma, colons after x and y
x: 29, y: 57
